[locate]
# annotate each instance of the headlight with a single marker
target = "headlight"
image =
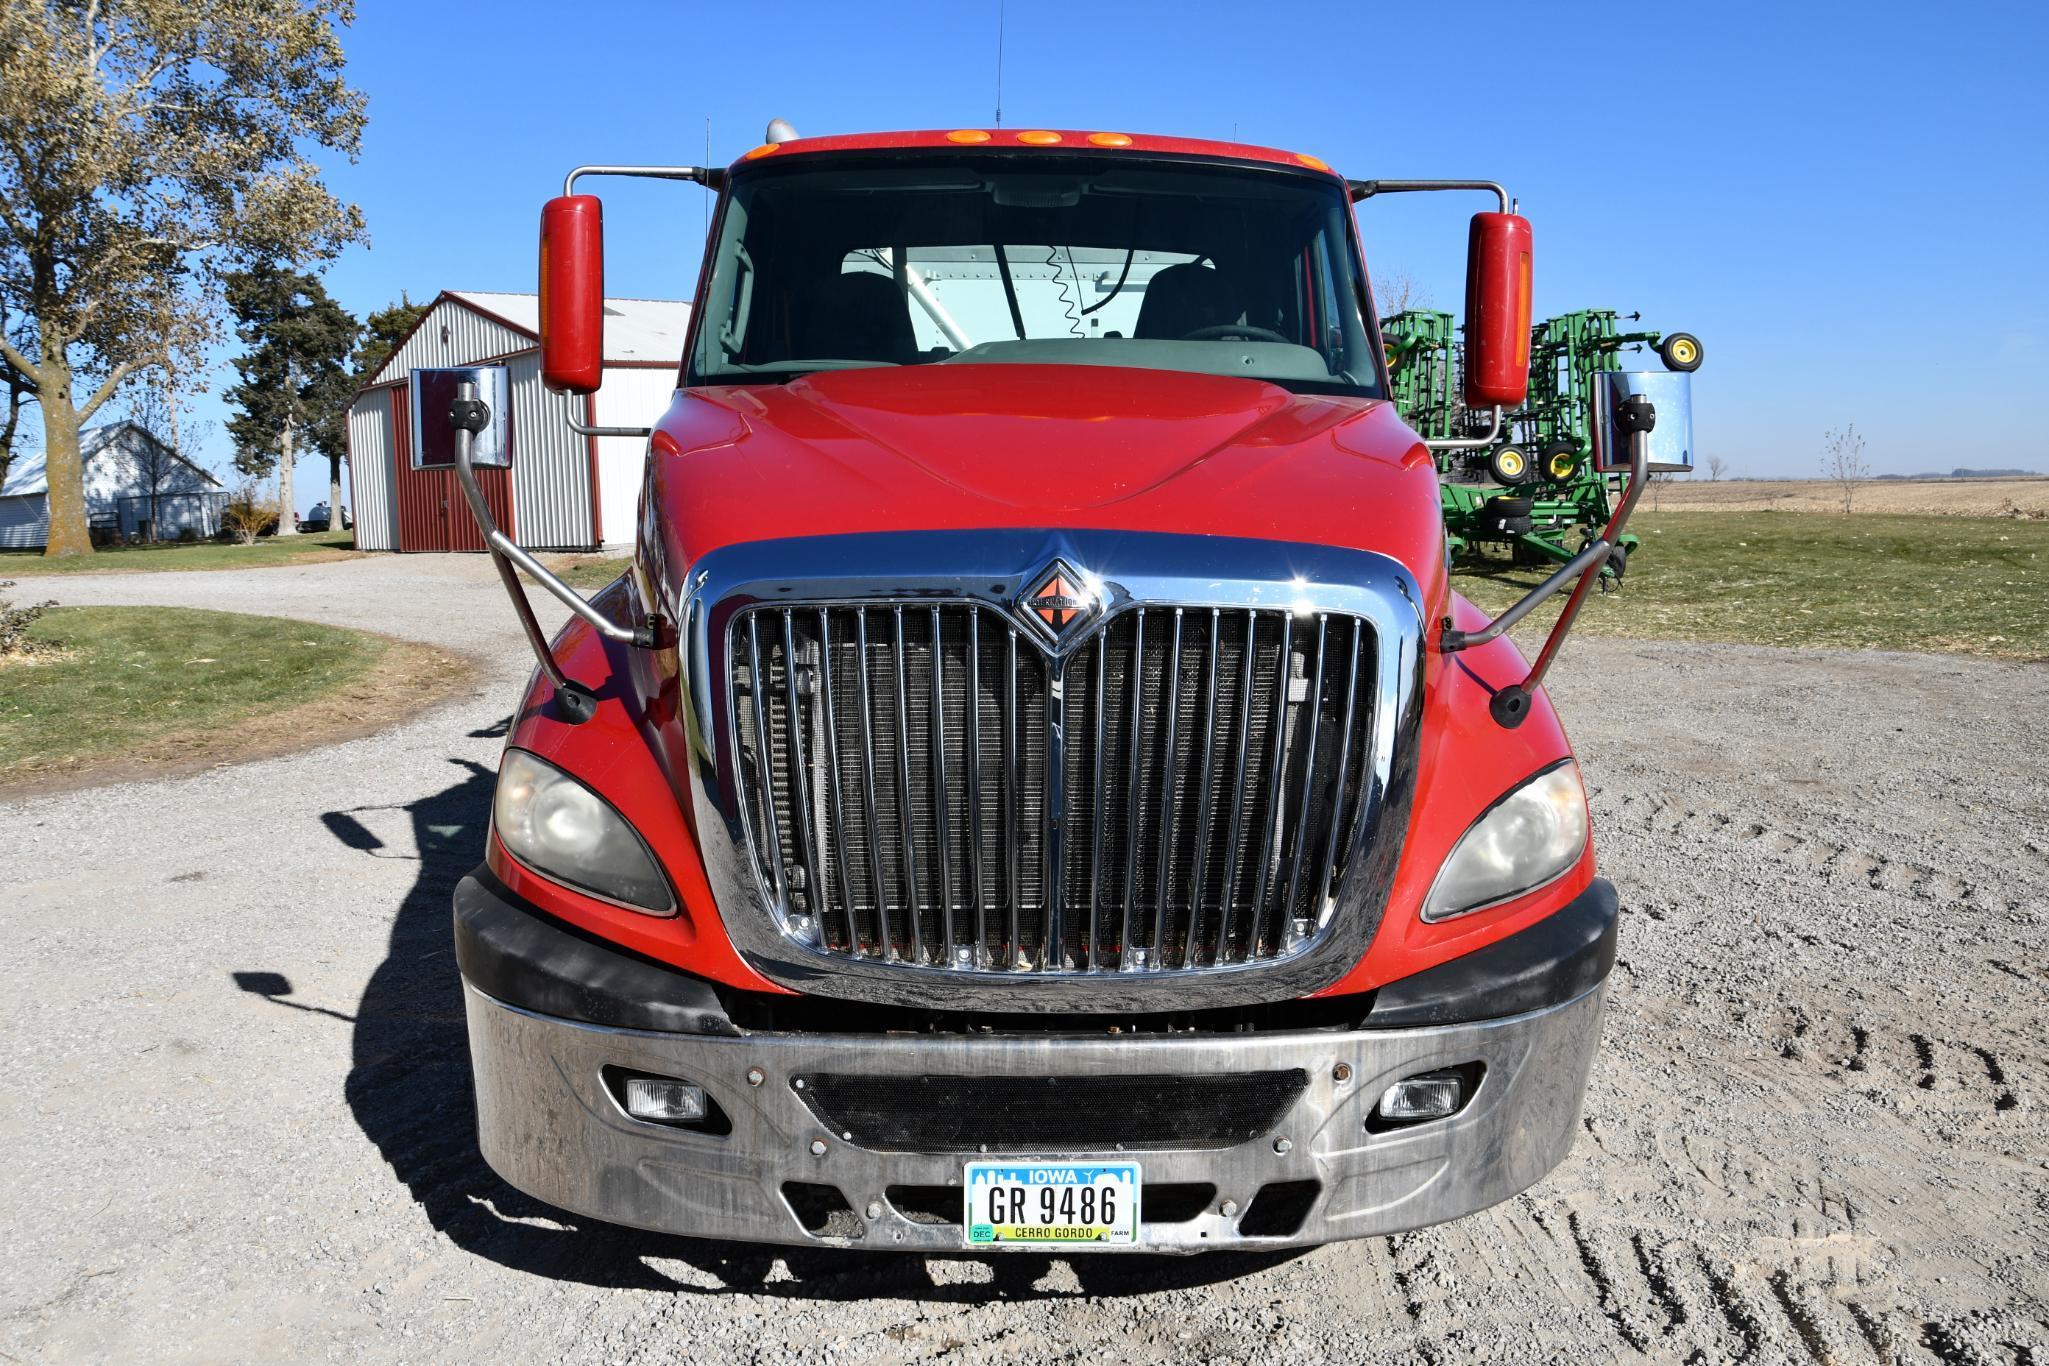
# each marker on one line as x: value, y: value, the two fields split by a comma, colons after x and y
x: 560, y: 828
x: 1528, y: 838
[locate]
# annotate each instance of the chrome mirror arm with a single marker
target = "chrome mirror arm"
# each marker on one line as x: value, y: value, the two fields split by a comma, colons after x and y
x: 1467, y: 443
x: 468, y: 415
x: 1366, y: 189
x: 711, y: 177
x: 708, y: 176
x: 1511, y: 704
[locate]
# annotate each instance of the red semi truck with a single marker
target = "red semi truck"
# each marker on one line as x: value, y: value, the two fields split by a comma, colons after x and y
x: 1034, y: 784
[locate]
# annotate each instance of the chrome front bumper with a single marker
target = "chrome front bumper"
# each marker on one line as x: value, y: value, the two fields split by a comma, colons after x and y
x: 548, y: 1124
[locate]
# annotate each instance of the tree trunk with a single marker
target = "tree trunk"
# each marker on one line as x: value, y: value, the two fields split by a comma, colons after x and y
x: 62, y: 468
x: 334, y: 511
x: 287, y: 505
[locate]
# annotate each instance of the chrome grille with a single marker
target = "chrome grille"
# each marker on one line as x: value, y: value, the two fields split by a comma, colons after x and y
x: 905, y: 807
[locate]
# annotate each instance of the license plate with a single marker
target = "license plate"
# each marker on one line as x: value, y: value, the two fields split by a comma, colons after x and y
x: 1051, y: 1202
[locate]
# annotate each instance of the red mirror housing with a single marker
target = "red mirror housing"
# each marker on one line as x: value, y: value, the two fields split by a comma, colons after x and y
x: 572, y: 294
x: 1498, y: 311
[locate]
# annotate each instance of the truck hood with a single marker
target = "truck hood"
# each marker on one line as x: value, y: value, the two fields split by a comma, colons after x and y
x: 1054, y: 439
x: 964, y: 446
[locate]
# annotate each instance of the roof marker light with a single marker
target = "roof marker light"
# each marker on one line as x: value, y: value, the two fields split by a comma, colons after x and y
x: 967, y: 135
x: 1313, y: 163
x: 1110, y: 139
x: 1038, y: 137
x: 763, y: 150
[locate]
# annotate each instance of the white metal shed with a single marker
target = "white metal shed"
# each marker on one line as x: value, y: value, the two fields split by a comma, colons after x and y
x: 563, y: 491
x: 121, y: 462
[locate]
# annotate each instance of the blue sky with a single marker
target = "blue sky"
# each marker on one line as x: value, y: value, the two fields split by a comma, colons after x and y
x: 1845, y: 203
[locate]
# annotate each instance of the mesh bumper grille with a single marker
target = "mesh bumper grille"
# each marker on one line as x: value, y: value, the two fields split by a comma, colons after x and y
x: 1050, y: 1114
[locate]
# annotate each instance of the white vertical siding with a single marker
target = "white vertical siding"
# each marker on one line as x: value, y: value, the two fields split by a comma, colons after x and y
x: 176, y: 513
x: 472, y: 337
x: 117, y: 486
x: 24, y: 521
x: 370, y: 447
x: 110, y: 473
x: 551, y: 492
x: 629, y: 397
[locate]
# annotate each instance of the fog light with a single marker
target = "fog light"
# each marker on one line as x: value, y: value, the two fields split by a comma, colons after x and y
x: 663, y: 1100
x: 1429, y: 1095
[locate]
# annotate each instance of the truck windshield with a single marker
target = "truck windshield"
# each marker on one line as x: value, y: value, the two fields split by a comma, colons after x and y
x: 994, y: 258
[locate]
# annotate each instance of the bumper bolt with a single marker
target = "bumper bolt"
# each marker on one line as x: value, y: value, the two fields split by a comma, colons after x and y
x: 755, y: 1076
x: 1282, y: 1145
x: 874, y: 1209
x: 1342, y: 1072
x: 818, y: 1147
x: 1229, y: 1209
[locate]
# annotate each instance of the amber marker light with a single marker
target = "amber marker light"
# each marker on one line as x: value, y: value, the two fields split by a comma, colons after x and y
x: 968, y: 135
x: 1038, y: 137
x: 763, y: 150
x: 1313, y: 163
x: 1110, y: 139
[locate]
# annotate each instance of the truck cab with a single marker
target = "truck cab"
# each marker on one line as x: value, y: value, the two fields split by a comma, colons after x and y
x: 1034, y: 785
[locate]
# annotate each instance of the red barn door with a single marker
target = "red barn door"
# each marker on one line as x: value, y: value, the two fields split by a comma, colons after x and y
x: 432, y: 515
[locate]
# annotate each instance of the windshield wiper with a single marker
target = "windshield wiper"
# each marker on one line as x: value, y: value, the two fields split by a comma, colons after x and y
x: 1010, y: 291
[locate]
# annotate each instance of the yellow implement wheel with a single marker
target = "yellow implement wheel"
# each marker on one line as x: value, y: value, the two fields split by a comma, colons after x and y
x: 1680, y: 351
x: 1508, y: 465
x: 1561, y: 462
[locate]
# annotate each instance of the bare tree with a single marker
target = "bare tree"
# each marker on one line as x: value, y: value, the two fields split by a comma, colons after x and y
x: 1396, y: 291
x: 154, y: 407
x: 1842, y: 459
x: 1716, y: 467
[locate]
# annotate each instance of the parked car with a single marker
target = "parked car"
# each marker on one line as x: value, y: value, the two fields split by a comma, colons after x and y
x: 319, y: 518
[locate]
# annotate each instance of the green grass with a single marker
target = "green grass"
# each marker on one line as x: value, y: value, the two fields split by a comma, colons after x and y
x: 1972, y: 585
x: 1958, y: 584
x: 587, y: 573
x: 127, y: 559
x: 128, y: 676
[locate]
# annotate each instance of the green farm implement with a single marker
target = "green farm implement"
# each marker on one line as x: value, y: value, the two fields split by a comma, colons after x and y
x: 1533, y: 490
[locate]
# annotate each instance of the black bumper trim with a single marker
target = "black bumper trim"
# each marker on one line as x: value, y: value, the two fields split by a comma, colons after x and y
x: 509, y: 950
x: 517, y: 954
x: 1552, y: 961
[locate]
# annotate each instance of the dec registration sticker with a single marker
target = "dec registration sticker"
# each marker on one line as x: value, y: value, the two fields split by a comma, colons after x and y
x: 1051, y: 1202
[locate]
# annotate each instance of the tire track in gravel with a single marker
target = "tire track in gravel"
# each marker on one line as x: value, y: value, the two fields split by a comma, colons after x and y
x: 1836, y: 862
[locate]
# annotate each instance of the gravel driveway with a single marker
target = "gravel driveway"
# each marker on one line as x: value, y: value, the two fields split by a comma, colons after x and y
x: 235, y: 1113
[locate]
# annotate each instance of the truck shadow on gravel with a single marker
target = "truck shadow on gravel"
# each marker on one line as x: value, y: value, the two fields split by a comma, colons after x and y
x: 409, y: 1089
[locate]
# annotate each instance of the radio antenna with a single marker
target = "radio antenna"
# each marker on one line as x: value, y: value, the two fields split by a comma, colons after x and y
x: 999, y: 63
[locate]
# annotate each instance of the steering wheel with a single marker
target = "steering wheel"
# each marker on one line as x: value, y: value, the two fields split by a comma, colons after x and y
x: 1243, y: 331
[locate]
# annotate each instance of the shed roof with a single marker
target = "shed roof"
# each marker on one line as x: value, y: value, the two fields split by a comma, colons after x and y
x: 30, y: 474
x: 637, y: 331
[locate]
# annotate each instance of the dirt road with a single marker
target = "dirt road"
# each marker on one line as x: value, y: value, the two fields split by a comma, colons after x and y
x: 235, y: 1114
x: 1926, y: 497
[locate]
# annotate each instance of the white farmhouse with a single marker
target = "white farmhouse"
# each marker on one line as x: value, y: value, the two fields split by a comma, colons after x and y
x: 122, y: 461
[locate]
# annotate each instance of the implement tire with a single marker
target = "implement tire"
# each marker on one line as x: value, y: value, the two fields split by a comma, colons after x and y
x: 1559, y: 461
x: 1680, y: 351
x: 1508, y: 465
